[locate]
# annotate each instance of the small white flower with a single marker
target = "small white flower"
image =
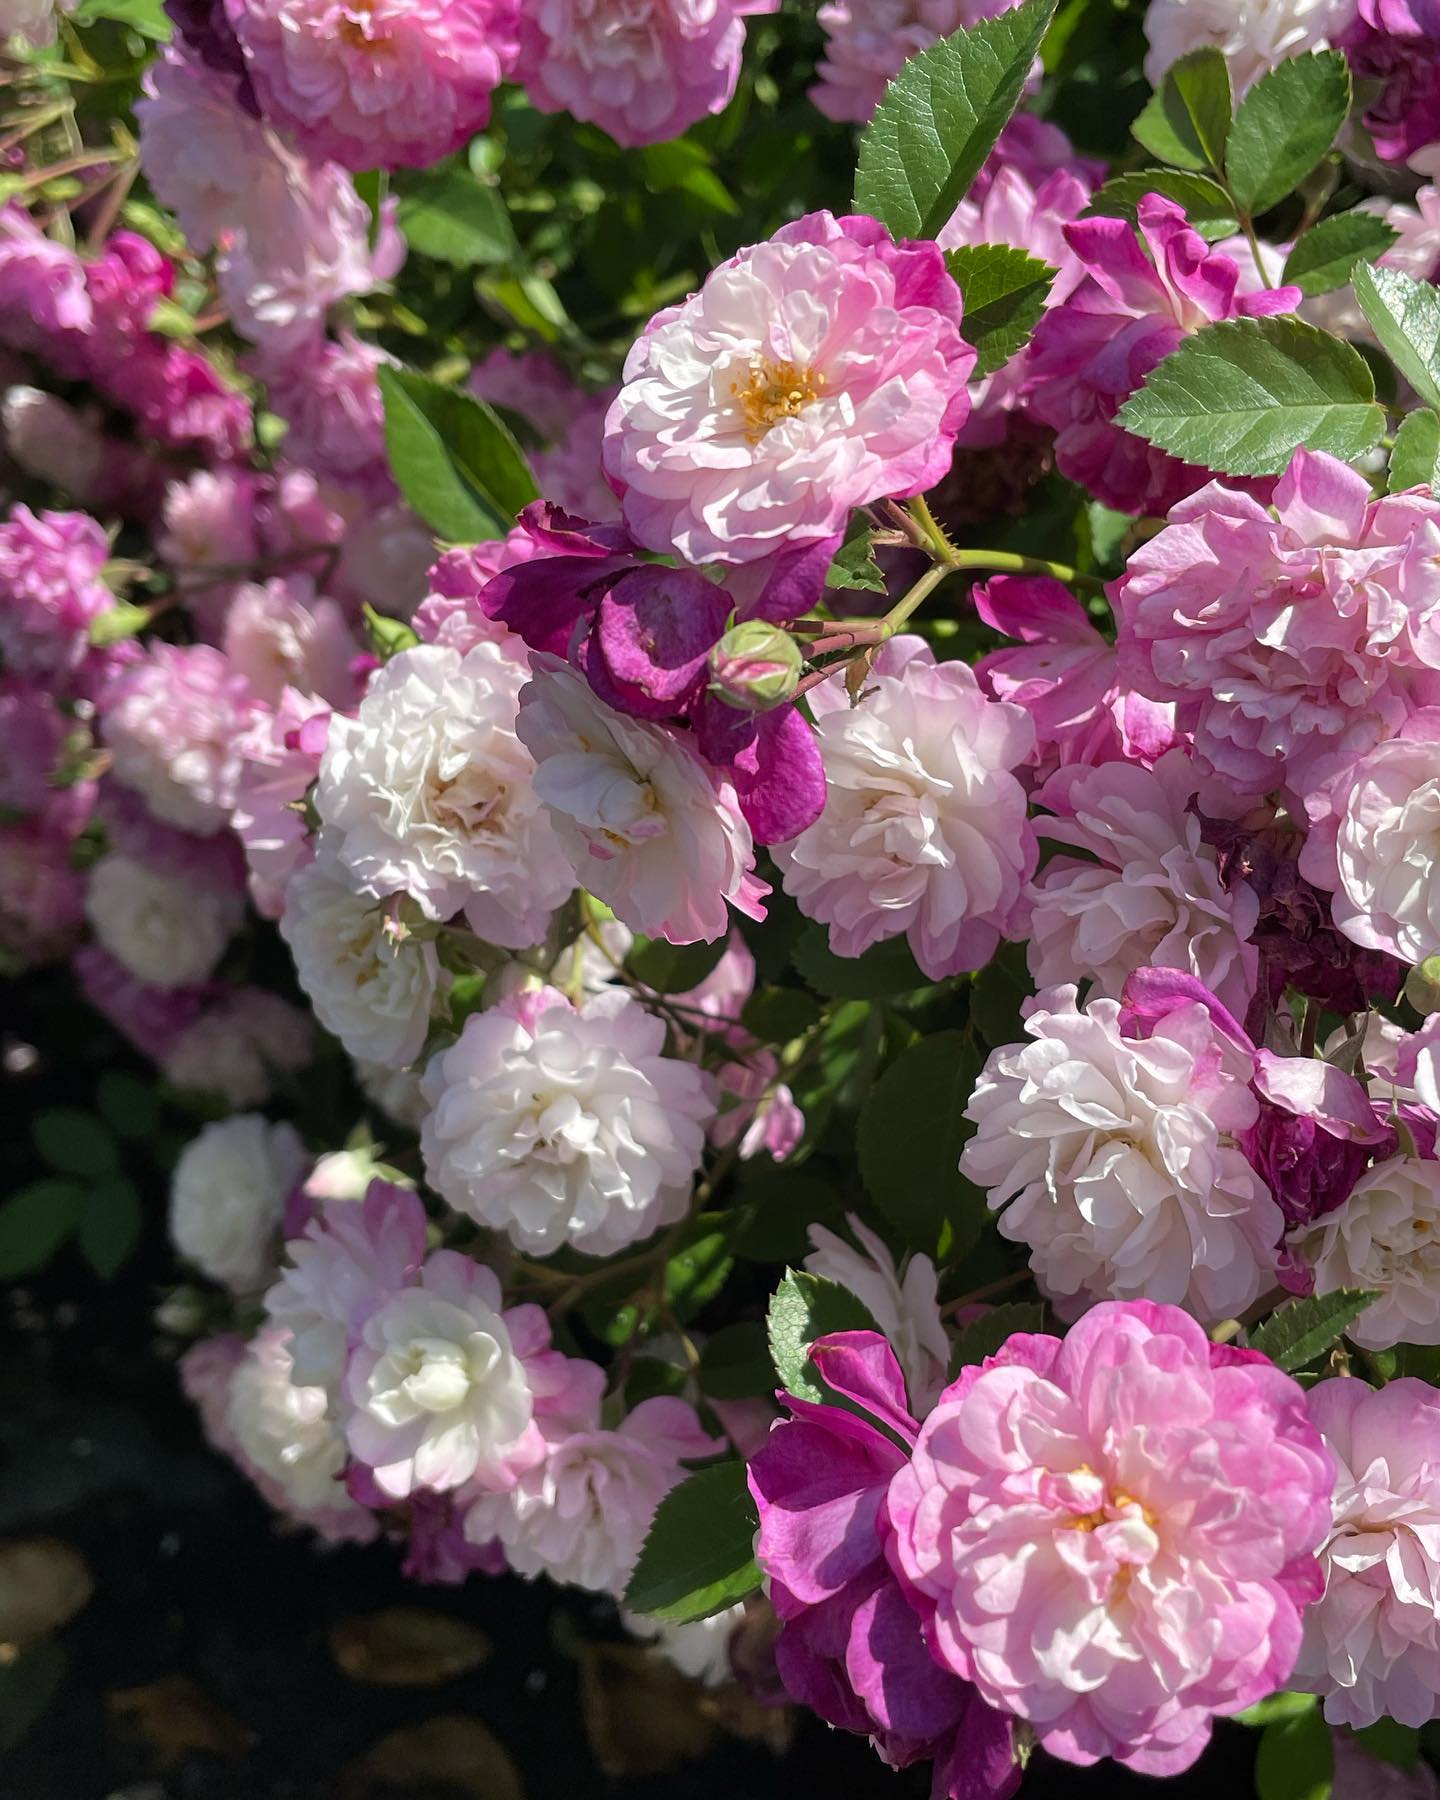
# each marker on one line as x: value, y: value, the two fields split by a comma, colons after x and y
x: 371, y: 992
x: 581, y: 1515
x: 286, y: 1431
x: 699, y: 1649
x: 924, y: 830
x: 437, y: 1391
x: 165, y: 931
x: 905, y: 1308
x: 1386, y: 1236
x: 560, y: 1126
x: 647, y: 827
x: 396, y: 1092
x: 428, y: 791
x: 1254, y: 35
x: 1115, y: 1159
x: 238, y: 1047
x: 227, y: 1196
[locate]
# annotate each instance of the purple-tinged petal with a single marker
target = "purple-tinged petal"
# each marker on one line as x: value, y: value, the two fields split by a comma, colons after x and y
x: 779, y: 777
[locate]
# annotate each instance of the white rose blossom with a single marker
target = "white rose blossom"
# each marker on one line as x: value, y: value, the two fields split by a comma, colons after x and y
x: 1253, y: 35
x: 648, y: 827
x: 287, y: 1431
x: 437, y: 1394
x: 1115, y: 1160
x: 428, y: 791
x: 369, y: 988
x: 904, y: 1307
x: 700, y: 1648
x: 560, y: 1125
x: 165, y: 930
x: 1386, y: 1236
x: 227, y: 1196
x: 924, y: 830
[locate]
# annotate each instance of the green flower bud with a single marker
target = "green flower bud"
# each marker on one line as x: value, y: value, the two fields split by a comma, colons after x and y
x: 755, y: 666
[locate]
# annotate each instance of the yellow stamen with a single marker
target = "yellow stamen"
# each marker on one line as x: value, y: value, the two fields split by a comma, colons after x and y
x: 774, y: 391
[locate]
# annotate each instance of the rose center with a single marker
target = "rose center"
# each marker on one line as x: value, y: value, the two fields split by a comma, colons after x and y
x: 773, y: 391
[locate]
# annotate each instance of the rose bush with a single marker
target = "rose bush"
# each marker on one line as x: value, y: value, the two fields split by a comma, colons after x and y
x: 742, y: 701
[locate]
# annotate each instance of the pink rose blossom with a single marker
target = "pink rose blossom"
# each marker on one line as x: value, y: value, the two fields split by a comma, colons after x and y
x: 171, y: 724
x: 1145, y: 292
x: 1112, y: 1148
x: 329, y: 397
x: 643, y: 72
x: 1112, y: 1535
x: 1374, y: 843
x: 51, y: 590
x: 1148, y: 890
x: 281, y: 635
x: 37, y: 737
x: 811, y: 374
x: 351, y: 1257
x: 42, y: 896
x: 1066, y: 676
x: 581, y: 1515
x: 1372, y: 1639
x: 924, y: 830
x: 153, y: 1019
x: 387, y: 84
x: 279, y: 760
x: 1291, y: 641
x: 850, y: 1644
x: 647, y: 826
x: 292, y: 237
x: 868, y: 42
x: 1395, y: 45
x: 42, y: 284
x: 238, y: 1047
x: 451, y: 613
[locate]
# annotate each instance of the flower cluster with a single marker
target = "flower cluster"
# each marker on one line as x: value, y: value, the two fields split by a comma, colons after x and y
x: 618, y: 740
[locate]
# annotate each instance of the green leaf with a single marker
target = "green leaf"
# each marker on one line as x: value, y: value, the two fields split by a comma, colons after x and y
x: 853, y: 564
x: 34, y: 1223
x: 1391, y: 1742
x: 1405, y: 316
x: 127, y: 1105
x: 1415, y: 460
x: 775, y: 1015
x: 1004, y: 293
x: 1188, y: 121
x: 145, y: 16
x: 683, y: 166
x: 997, y: 993
x: 118, y: 622
x: 698, y: 1557
x: 912, y: 1129
x: 940, y: 118
x: 388, y: 637
x: 109, y: 1225
x: 885, y: 968
x: 1241, y: 396
x: 73, y: 1141
x: 695, y: 1274
x: 455, y: 461
x: 448, y: 215
x: 803, y: 1308
x: 1207, y: 206
x: 1284, y: 125
x: 672, y: 968
x: 1296, y: 1757
x: 1326, y: 256
x: 982, y: 1337
x: 735, y: 1363
x: 1296, y: 1334
x: 777, y: 1207
x: 1284, y: 1705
